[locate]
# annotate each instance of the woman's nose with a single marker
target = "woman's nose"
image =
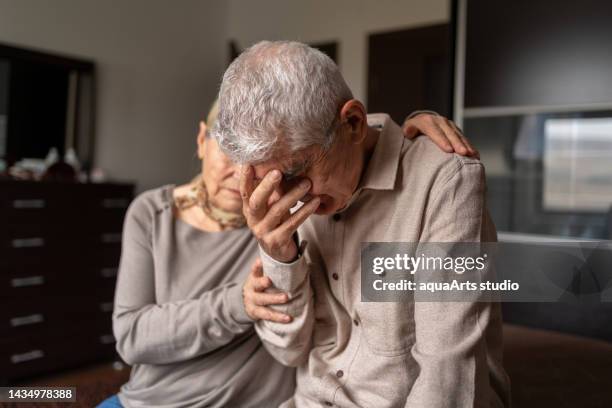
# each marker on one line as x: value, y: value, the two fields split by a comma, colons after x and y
x: 236, y: 171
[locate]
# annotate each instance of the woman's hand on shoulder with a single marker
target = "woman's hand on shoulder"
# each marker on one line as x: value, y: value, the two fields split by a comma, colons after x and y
x: 442, y: 131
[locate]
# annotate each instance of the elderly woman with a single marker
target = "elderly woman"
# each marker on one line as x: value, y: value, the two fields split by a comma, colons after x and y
x: 179, y: 317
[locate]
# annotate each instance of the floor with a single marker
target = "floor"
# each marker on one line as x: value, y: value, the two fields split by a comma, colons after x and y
x: 547, y: 370
x: 556, y: 370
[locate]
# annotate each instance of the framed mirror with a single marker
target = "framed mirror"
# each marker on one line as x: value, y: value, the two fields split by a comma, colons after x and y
x: 46, y: 101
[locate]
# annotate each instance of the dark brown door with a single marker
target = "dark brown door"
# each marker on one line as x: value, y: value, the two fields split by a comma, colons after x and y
x: 410, y: 70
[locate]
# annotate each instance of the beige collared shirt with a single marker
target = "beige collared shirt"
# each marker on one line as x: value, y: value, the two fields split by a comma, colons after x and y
x: 351, y: 353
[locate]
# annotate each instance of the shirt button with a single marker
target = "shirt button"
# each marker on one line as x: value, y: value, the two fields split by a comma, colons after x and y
x: 339, y: 373
x: 335, y: 276
x: 337, y: 217
x: 356, y: 322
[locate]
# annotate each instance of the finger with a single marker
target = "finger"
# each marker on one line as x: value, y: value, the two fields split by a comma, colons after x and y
x: 274, y: 197
x: 410, y: 131
x: 265, y: 313
x: 246, y: 184
x: 279, y: 211
x: 265, y: 299
x: 453, y: 137
x: 257, y: 280
x: 261, y: 284
x: 436, y: 134
x: 454, y: 126
x: 471, y: 149
x: 284, y: 232
x: 258, y: 202
x: 257, y: 268
x: 465, y: 140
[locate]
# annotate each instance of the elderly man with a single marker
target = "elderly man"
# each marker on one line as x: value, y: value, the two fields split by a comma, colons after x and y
x: 287, y: 113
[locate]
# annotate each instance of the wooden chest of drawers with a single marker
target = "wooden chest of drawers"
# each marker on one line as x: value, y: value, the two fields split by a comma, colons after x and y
x: 59, y: 251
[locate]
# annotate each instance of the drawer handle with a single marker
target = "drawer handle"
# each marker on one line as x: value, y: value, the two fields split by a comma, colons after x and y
x: 27, y: 356
x: 115, y: 203
x: 27, y: 320
x: 108, y: 272
x: 36, y: 242
x: 107, y: 339
x: 33, y: 203
x: 106, y: 306
x: 110, y: 238
x: 28, y: 281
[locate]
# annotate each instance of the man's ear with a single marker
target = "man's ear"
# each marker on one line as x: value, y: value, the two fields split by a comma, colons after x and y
x: 201, y: 140
x: 353, y: 115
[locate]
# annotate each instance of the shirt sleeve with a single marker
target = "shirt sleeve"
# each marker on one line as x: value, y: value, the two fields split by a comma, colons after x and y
x: 450, y: 346
x: 151, y: 333
x: 289, y: 343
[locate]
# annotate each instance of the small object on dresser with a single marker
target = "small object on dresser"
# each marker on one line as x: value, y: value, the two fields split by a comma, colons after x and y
x: 71, y: 158
x: 60, y: 171
x: 52, y: 157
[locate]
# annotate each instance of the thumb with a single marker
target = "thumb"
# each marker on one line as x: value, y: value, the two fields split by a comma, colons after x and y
x: 257, y: 268
x: 410, y: 131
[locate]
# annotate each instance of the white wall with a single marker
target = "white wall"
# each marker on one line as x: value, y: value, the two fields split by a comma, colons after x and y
x: 159, y: 62
x: 348, y: 22
x: 159, y: 65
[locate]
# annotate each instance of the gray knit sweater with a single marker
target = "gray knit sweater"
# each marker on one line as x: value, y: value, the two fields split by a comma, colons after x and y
x: 179, y: 319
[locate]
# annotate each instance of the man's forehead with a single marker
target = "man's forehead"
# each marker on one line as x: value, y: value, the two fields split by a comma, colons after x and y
x: 284, y: 165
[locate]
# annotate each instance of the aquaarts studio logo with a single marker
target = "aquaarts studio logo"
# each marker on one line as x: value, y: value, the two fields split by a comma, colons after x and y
x: 531, y: 271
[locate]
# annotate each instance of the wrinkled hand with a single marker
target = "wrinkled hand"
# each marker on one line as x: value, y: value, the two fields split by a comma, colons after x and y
x: 442, y: 131
x: 270, y: 220
x: 255, y: 299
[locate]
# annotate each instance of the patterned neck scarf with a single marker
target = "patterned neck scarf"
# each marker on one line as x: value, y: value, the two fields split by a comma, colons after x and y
x: 198, y: 195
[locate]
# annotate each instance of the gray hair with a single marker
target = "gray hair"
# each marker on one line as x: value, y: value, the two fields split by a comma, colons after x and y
x: 278, y: 96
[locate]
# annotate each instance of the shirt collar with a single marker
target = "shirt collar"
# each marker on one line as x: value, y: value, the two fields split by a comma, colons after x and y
x: 381, y: 171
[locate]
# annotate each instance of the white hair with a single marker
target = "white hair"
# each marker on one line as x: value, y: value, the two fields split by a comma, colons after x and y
x: 278, y: 97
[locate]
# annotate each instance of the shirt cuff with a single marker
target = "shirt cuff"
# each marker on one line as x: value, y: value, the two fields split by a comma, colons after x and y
x: 235, y: 305
x: 286, y: 277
